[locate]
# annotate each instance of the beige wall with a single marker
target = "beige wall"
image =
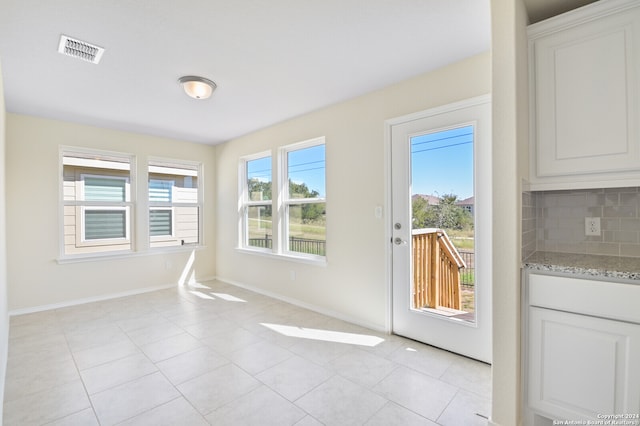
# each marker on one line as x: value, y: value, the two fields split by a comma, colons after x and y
x: 35, y: 278
x: 510, y: 148
x: 4, y: 319
x: 353, y: 284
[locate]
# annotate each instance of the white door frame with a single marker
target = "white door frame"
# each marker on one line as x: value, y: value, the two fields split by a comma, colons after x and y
x: 478, y: 157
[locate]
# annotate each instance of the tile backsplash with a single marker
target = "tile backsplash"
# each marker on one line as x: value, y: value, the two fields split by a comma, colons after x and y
x: 558, y: 218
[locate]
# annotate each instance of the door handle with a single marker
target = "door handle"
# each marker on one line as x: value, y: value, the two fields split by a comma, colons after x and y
x: 399, y: 241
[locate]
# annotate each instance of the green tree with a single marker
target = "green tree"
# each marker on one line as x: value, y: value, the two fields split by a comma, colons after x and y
x: 445, y: 215
x: 310, y: 212
x: 259, y: 191
x: 419, y: 207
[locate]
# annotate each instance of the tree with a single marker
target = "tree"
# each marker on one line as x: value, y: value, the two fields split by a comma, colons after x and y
x: 310, y: 211
x: 259, y: 191
x: 419, y: 207
x: 445, y: 215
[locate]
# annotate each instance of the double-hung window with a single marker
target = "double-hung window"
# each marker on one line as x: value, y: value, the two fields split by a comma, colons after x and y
x: 174, y: 203
x: 257, y: 220
x: 286, y: 216
x: 96, y: 202
x: 304, y: 198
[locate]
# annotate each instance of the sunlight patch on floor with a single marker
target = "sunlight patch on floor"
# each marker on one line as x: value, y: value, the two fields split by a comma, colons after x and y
x: 201, y: 295
x: 325, y: 335
x: 228, y: 297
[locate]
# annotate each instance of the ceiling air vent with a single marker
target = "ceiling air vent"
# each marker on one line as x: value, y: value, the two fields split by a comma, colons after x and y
x: 80, y: 49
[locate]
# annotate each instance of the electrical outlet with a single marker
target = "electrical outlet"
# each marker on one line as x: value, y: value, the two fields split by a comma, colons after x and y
x: 592, y: 226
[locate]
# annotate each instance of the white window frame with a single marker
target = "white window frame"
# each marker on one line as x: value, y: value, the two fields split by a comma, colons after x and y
x: 287, y: 201
x: 102, y: 157
x: 246, y: 203
x: 160, y: 166
x: 81, y: 239
x: 279, y: 202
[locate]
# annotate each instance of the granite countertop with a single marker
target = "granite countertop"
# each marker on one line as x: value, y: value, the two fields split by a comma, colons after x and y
x: 585, y: 264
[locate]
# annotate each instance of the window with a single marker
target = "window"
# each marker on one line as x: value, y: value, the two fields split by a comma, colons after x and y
x: 257, y: 203
x: 174, y: 203
x: 96, y: 202
x: 296, y: 224
x: 304, y: 198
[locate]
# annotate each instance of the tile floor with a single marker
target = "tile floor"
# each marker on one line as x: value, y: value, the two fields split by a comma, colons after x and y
x: 216, y: 354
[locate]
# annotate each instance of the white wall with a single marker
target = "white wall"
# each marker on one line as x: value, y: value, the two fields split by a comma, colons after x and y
x: 353, y: 285
x: 35, y: 278
x: 510, y: 150
x: 4, y: 318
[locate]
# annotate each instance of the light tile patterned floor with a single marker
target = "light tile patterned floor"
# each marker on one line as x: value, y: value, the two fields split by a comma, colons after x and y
x: 220, y: 355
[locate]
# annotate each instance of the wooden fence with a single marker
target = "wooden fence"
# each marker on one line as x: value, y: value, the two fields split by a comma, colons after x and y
x: 436, y: 270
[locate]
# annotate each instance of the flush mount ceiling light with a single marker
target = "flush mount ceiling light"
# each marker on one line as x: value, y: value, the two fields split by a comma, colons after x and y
x: 197, y: 87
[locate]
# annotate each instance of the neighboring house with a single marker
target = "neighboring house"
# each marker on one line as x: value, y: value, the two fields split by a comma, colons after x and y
x: 97, y: 204
x: 467, y: 204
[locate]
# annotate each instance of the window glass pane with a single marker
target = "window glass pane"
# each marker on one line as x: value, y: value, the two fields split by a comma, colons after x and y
x: 259, y: 179
x: 443, y: 208
x: 104, y: 224
x: 306, y: 172
x: 175, y: 183
x: 160, y: 222
x: 95, y: 185
x: 104, y: 189
x: 187, y: 222
x: 307, y: 228
x: 160, y: 190
x: 174, y: 205
x: 259, y: 226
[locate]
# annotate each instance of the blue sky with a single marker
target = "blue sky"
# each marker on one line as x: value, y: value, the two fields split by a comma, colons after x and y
x: 305, y: 165
x: 308, y: 165
x: 442, y: 163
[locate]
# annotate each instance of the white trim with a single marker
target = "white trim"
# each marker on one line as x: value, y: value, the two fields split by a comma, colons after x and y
x: 309, y: 259
x: 126, y: 254
x: 466, y: 103
x: 82, y: 301
x: 305, y: 305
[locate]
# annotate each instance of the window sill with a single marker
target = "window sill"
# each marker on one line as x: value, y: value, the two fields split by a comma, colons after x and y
x: 317, y: 260
x: 126, y: 254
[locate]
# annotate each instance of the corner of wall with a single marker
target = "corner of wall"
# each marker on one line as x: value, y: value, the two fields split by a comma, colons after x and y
x: 4, y: 318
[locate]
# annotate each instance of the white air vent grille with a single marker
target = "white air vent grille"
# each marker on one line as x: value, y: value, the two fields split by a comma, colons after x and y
x: 80, y: 49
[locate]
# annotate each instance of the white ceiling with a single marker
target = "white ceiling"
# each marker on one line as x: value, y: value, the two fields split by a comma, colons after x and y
x: 272, y: 60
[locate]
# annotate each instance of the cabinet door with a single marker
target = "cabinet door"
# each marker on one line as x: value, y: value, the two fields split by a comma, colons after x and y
x: 586, y: 97
x: 582, y: 366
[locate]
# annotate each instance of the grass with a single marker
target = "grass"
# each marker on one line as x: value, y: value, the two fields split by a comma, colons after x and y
x: 468, y: 300
x: 312, y: 231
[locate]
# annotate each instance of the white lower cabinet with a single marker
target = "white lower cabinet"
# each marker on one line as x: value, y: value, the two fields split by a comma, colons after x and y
x: 581, y: 365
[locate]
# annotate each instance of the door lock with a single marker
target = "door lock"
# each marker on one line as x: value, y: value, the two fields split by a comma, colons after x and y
x: 399, y: 241
x: 397, y: 226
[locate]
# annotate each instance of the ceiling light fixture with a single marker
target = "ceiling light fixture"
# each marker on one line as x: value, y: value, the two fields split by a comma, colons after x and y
x: 197, y: 87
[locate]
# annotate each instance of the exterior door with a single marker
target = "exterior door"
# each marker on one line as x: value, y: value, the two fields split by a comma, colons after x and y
x: 441, y: 227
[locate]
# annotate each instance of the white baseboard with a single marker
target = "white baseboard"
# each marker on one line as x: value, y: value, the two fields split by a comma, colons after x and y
x: 305, y: 305
x: 100, y: 298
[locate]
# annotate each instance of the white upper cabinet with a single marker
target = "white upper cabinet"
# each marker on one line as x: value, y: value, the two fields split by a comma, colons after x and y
x: 585, y: 97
